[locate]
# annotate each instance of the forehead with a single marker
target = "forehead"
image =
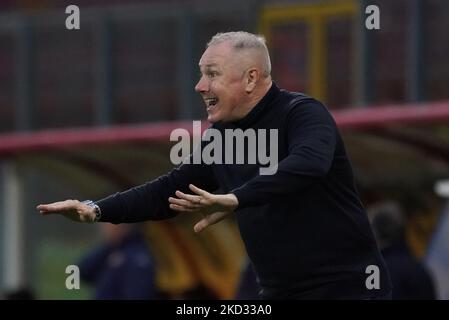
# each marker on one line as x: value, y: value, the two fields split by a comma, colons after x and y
x: 217, y: 55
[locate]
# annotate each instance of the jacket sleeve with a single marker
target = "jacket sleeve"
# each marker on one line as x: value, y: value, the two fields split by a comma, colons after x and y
x: 311, y: 134
x: 150, y: 200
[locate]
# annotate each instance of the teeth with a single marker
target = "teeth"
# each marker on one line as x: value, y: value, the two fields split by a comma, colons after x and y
x: 212, y: 102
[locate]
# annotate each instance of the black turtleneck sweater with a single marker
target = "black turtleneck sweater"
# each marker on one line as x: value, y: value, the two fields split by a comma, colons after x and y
x: 304, y: 227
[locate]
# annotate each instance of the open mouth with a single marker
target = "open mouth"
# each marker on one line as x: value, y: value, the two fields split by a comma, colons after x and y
x: 211, y: 103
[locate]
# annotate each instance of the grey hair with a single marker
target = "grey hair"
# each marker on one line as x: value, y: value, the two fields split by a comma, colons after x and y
x: 241, y: 40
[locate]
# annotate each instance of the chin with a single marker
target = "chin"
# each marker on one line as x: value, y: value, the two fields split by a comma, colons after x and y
x: 212, y: 119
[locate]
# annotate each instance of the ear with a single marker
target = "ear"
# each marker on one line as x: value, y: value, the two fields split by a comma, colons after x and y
x: 252, y: 77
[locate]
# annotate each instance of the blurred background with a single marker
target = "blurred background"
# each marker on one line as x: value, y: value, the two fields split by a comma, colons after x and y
x: 86, y: 113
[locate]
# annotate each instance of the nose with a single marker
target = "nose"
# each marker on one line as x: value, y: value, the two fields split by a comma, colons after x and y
x: 202, y: 85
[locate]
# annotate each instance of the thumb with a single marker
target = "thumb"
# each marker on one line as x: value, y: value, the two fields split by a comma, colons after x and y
x: 209, y: 220
x: 200, y: 225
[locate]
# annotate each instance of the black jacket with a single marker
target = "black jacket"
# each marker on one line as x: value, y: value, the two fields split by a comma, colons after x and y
x: 305, y: 229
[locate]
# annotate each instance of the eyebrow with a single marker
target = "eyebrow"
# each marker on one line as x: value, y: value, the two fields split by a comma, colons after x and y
x: 213, y: 67
x: 208, y: 65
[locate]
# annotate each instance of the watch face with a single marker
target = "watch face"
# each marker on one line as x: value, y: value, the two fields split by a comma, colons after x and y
x: 97, y: 212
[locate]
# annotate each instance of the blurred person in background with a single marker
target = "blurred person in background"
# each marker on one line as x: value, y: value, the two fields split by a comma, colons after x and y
x: 410, y: 278
x: 304, y: 227
x: 122, y: 267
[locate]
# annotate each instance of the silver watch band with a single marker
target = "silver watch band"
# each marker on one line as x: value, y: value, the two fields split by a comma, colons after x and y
x: 97, y: 209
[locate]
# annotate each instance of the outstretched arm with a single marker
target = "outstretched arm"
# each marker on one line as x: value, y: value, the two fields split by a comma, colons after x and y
x: 146, y: 202
x: 71, y: 209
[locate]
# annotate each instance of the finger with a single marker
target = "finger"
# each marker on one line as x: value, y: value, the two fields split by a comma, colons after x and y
x: 201, y: 225
x: 189, y: 197
x: 183, y: 203
x: 181, y: 208
x: 198, y: 191
x: 46, y: 206
x: 52, y: 208
x: 209, y: 220
x: 60, y: 205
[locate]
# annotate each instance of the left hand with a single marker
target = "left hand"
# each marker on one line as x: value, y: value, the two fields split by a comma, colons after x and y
x: 71, y: 209
x: 214, y: 207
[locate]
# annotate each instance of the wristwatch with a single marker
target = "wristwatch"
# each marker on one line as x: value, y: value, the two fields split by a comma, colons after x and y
x: 97, y: 209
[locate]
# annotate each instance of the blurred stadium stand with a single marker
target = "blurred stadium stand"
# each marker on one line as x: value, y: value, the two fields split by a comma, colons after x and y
x: 94, y: 107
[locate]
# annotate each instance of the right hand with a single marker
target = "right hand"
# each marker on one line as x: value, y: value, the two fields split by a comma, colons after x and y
x: 71, y: 209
